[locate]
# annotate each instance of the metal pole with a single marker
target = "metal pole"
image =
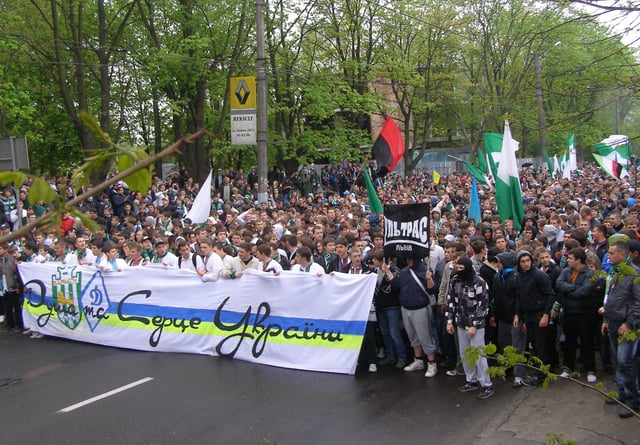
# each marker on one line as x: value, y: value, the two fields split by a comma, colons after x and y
x: 541, y: 124
x: 14, y: 167
x: 634, y: 147
x: 261, y: 86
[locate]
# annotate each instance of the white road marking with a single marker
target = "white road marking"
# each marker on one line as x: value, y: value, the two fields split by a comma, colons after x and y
x: 105, y: 395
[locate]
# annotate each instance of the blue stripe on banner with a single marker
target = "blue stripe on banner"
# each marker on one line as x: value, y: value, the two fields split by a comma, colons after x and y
x: 227, y: 317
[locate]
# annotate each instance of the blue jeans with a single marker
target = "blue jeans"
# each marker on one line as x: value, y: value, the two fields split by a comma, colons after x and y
x: 389, y: 324
x: 626, y: 373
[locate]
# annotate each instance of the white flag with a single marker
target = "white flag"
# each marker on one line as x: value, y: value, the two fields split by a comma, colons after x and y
x: 201, y: 207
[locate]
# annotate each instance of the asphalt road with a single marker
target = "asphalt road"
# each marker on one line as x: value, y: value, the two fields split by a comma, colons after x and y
x: 199, y: 399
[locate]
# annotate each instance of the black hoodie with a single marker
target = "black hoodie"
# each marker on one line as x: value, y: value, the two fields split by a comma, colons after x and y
x: 503, y: 290
x: 534, y: 294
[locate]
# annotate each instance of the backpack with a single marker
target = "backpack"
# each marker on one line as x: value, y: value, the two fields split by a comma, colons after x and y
x: 193, y: 260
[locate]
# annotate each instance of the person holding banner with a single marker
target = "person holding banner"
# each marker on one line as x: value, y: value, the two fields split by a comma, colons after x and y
x: 389, y: 314
x: 304, y: 263
x: 208, y: 263
x: 240, y: 263
x: 368, y: 350
x: 416, y: 289
x: 267, y: 264
x: 112, y: 262
x: 163, y: 256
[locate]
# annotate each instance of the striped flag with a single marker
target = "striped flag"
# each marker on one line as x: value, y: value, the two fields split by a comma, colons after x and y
x: 388, y: 148
x: 611, y: 167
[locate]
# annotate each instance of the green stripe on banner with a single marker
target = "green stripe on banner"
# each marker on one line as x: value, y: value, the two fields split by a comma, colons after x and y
x: 292, y: 337
x: 209, y: 329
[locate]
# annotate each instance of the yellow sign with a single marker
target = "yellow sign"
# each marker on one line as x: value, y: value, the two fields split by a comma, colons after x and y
x: 243, y: 93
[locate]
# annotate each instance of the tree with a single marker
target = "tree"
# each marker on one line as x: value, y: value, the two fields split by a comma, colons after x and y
x: 83, y: 48
x: 193, y: 52
x: 418, y: 68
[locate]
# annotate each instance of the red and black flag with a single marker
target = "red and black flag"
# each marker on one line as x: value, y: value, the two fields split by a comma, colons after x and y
x: 388, y: 148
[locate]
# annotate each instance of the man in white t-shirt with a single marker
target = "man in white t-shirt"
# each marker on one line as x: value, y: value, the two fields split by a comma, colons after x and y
x: 208, y: 264
x: 304, y: 264
x: 267, y: 264
x: 163, y: 256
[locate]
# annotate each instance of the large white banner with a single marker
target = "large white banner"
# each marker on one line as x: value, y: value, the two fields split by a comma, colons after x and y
x: 295, y: 320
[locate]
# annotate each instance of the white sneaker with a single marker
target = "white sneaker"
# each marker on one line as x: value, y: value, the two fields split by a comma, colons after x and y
x: 432, y: 370
x: 26, y: 331
x: 36, y: 335
x: 565, y: 374
x: 591, y: 378
x: 416, y: 365
x: 1, y: 318
x: 381, y: 353
x: 373, y: 367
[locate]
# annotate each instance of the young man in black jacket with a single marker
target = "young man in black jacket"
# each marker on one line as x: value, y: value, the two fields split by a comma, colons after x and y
x: 534, y: 301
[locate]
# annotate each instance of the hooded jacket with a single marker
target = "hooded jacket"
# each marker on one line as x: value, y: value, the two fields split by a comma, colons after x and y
x: 9, y: 273
x: 503, y: 289
x: 468, y: 298
x: 534, y: 294
x: 623, y: 302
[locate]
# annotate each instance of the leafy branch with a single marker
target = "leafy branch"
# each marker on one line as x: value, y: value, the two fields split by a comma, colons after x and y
x: 511, y: 358
x: 137, y: 167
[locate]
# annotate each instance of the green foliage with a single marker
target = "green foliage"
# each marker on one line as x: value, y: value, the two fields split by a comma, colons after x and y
x: 630, y: 336
x: 126, y: 157
x: 16, y: 179
x: 41, y: 191
x: 448, y: 70
x: 558, y: 439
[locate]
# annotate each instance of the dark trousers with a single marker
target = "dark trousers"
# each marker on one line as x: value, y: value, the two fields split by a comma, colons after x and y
x: 552, y: 343
x: 368, y: 351
x: 579, y: 326
x: 448, y: 347
x: 13, y: 310
x: 538, y: 338
x: 602, y: 341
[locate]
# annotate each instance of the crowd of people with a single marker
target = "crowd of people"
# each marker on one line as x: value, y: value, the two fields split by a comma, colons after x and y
x: 562, y: 284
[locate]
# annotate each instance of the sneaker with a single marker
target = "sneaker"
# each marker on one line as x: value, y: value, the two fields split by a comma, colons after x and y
x: 381, y: 353
x: 400, y: 364
x: 565, y: 374
x: 517, y: 382
x: 387, y: 362
x: 432, y: 370
x: 469, y: 386
x: 416, y: 365
x: 373, y: 367
x: 454, y: 372
x: 26, y: 331
x: 1, y: 318
x: 36, y: 335
x: 610, y: 401
x: 531, y: 380
x: 624, y: 413
x: 486, y: 393
x: 591, y: 377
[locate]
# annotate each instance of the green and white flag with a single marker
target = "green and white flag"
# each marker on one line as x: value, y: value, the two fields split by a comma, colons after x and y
x: 615, y: 148
x: 493, y: 147
x: 508, y: 192
x: 550, y: 165
x: 612, y: 168
x: 566, y: 165
x: 573, y: 157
